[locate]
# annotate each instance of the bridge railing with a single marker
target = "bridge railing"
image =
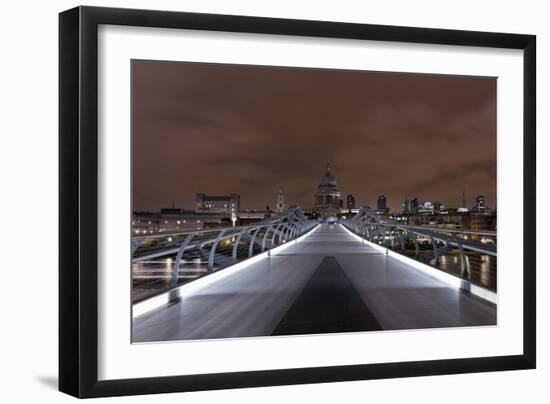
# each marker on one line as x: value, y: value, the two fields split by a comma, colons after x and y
x: 163, y: 262
x: 471, y: 255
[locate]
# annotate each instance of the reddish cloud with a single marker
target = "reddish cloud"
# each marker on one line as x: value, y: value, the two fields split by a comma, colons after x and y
x: 217, y: 129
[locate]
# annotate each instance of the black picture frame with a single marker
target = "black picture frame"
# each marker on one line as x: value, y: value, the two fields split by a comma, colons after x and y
x: 78, y: 196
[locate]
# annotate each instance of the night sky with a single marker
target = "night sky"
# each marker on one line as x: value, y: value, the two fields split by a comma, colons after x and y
x: 217, y: 129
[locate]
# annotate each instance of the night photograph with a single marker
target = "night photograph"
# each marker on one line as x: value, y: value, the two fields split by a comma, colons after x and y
x: 274, y: 200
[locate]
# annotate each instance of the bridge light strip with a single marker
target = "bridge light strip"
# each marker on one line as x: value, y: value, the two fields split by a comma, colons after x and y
x: 444, y: 277
x: 197, y: 285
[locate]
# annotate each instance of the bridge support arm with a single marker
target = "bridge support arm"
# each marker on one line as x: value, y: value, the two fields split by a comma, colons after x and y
x: 236, y: 245
x: 265, y: 237
x: 176, y: 265
x: 294, y: 229
x: 252, y: 240
x: 275, y: 233
x: 434, y: 245
x: 465, y: 270
x: 284, y: 233
x: 136, y: 243
x: 213, y: 250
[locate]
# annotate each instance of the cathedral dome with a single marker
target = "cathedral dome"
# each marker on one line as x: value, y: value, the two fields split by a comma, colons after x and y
x: 328, y: 200
x: 328, y: 180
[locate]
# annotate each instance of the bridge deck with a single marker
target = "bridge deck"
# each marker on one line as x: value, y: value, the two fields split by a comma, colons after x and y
x: 327, y: 282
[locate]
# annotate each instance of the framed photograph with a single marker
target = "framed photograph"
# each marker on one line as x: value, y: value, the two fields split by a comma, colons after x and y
x: 251, y: 201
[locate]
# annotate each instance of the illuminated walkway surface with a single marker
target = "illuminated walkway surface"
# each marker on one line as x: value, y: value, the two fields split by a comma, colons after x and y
x: 327, y: 282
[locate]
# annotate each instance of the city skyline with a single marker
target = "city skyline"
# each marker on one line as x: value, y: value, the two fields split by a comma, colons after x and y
x: 396, y: 206
x: 250, y: 130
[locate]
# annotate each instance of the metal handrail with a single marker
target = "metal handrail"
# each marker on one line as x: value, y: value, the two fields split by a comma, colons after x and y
x: 432, y: 232
x: 462, y: 231
x: 367, y: 225
x: 137, y: 241
x: 257, y: 237
x: 442, y: 235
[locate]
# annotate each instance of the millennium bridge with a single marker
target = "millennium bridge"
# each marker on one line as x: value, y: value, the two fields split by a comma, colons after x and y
x: 289, y: 275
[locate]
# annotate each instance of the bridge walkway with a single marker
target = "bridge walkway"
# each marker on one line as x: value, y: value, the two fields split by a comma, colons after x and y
x: 328, y: 281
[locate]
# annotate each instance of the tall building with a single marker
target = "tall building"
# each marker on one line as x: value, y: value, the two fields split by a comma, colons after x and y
x: 217, y: 203
x: 350, y: 201
x: 280, y: 206
x: 480, y: 204
x: 381, y: 204
x: 327, y: 197
x: 413, y: 206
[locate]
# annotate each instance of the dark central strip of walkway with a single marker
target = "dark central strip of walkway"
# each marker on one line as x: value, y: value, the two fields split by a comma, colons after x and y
x: 328, y: 303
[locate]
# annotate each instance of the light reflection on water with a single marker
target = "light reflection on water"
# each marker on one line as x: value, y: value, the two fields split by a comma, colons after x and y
x: 151, y: 277
x: 483, y: 268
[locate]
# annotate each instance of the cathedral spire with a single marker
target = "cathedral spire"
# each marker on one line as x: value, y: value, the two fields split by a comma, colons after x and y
x: 328, y: 167
x: 280, y: 206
